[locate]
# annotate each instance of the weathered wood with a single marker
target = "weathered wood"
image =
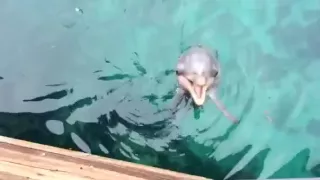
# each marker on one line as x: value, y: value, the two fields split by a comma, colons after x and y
x: 25, y: 160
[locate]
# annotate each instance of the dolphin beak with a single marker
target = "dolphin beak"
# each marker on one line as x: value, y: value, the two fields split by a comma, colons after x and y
x: 197, y: 88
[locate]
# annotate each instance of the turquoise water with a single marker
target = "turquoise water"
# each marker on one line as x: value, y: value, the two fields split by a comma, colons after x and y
x: 95, y: 76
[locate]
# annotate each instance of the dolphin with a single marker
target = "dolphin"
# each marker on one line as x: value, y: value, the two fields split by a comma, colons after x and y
x: 198, y: 73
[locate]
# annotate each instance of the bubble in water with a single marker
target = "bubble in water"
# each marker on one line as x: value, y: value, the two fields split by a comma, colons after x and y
x: 69, y: 18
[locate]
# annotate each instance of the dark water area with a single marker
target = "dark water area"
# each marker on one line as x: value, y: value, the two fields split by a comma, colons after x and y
x: 97, y: 76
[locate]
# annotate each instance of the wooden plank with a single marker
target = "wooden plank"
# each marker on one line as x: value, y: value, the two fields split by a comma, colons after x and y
x: 6, y: 176
x: 25, y: 160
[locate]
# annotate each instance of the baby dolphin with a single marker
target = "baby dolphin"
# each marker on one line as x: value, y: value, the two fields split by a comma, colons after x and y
x: 198, y: 73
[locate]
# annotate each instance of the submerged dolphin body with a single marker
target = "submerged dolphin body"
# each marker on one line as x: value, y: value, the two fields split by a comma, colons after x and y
x: 198, y: 73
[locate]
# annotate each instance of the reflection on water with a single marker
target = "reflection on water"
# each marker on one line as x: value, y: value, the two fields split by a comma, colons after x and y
x: 96, y: 76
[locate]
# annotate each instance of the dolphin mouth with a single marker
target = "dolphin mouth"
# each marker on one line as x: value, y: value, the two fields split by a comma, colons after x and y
x: 197, y: 92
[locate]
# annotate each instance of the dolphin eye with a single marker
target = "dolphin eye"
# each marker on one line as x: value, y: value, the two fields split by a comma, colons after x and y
x: 215, y: 73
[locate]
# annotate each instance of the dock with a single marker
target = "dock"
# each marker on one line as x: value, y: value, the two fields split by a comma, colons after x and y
x: 21, y: 160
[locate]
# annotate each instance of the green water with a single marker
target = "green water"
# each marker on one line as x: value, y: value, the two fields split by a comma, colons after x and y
x: 95, y: 76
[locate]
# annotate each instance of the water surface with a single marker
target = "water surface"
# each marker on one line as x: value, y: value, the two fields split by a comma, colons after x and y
x: 95, y: 76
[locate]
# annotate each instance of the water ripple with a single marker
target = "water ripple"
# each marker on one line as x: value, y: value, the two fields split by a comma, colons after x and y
x: 97, y: 76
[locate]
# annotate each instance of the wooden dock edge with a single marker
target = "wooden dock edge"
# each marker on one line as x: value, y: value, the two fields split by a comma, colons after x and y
x: 26, y: 160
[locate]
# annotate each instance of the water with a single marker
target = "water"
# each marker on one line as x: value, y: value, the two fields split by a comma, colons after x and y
x: 95, y: 76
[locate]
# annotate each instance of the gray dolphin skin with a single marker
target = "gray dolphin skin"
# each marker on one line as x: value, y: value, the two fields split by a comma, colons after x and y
x: 198, y: 74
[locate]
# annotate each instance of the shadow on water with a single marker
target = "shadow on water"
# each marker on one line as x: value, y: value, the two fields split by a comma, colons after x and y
x: 52, y: 128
